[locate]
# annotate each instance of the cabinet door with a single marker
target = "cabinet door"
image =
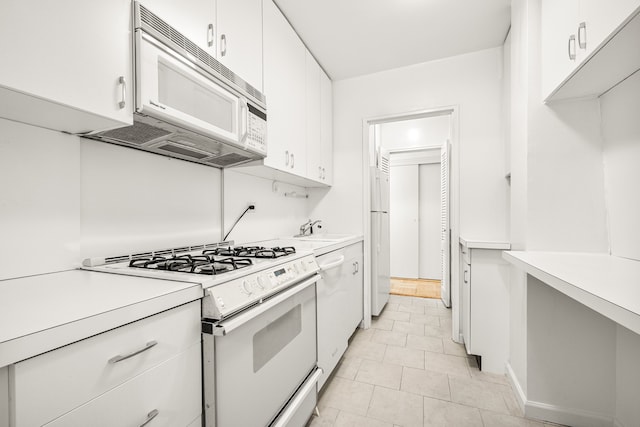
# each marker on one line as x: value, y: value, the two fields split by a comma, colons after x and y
x: 284, y: 87
x: 326, y: 128
x: 600, y: 18
x: 240, y: 38
x: 559, y: 25
x: 62, y: 63
x: 314, y: 149
x: 195, y: 19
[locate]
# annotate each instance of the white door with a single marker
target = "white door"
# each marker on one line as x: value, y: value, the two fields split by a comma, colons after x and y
x: 445, y: 248
x: 404, y: 221
x: 430, y: 262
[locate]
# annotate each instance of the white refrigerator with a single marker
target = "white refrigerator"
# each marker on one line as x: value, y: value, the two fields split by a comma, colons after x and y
x: 380, y: 246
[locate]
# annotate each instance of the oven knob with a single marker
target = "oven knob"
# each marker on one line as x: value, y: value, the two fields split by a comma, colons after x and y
x: 260, y: 282
x: 304, y: 266
x: 220, y: 302
x: 295, y: 267
x: 245, y: 287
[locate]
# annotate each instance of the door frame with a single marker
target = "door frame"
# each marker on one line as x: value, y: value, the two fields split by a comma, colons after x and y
x: 453, y: 200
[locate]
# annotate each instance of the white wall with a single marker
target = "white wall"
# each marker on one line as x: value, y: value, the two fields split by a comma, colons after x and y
x: 39, y: 200
x: 274, y: 216
x: 621, y: 132
x: 471, y: 82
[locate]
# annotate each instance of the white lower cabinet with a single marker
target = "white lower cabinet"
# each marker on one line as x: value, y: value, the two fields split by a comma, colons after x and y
x: 340, y: 304
x: 484, y: 305
x: 114, y: 377
x: 166, y: 395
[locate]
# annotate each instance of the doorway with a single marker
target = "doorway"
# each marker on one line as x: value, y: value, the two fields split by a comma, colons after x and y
x: 413, y: 146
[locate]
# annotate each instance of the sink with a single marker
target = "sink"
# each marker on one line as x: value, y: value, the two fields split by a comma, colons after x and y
x: 326, y: 237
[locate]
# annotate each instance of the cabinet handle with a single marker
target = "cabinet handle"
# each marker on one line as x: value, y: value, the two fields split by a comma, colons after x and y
x: 292, y: 160
x: 210, y: 35
x: 119, y: 358
x: 150, y: 416
x: 582, y: 41
x: 123, y: 85
x: 223, y: 45
x: 356, y: 267
x: 465, y: 276
x: 323, y: 175
x: 572, y: 41
x: 286, y: 158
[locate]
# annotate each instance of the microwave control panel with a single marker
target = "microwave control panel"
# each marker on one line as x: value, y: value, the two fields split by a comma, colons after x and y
x: 256, y: 132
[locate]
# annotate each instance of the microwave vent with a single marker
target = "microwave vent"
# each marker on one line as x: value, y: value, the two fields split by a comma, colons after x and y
x: 228, y: 160
x: 206, y: 61
x: 139, y: 133
x: 183, y: 151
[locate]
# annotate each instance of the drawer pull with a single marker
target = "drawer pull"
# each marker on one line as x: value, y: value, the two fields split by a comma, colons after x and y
x: 150, y: 416
x: 119, y: 358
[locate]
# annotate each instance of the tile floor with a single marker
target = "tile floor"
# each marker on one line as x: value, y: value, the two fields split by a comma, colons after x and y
x: 406, y: 371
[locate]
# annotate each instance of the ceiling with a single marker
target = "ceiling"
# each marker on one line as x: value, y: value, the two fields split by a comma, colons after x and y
x: 355, y: 37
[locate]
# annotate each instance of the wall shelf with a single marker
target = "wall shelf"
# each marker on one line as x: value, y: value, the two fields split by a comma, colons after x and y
x: 607, y: 284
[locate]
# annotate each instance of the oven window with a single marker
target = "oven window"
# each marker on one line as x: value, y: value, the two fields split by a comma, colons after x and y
x: 268, y: 341
x: 177, y: 90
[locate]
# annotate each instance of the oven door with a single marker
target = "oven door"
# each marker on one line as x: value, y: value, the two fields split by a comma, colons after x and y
x: 172, y: 89
x: 260, y: 358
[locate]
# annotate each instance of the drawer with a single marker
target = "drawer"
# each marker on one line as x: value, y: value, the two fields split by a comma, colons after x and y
x: 49, y: 385
x: 173, y: 389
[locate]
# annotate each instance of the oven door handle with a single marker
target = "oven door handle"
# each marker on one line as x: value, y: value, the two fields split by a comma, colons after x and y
x: 227, y: 326
x: 300, y: 397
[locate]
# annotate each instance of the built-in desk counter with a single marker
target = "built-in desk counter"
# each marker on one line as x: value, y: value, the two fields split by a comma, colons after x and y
x: 606, y: 284
x: 580, y: 316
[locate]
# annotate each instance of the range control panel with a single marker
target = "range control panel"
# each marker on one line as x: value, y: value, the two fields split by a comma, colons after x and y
x: 228, y: 298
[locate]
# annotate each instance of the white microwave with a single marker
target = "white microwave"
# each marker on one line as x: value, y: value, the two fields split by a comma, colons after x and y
x: 187, y: 104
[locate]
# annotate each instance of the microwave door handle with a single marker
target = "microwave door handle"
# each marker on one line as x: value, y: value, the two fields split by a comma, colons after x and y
x: 244, y: 118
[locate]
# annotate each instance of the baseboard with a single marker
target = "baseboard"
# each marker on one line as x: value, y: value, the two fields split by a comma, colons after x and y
x: 521, y: 397
x: 558, y: 414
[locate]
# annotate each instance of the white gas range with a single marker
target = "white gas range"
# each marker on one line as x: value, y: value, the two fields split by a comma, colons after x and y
x: 258, y: 326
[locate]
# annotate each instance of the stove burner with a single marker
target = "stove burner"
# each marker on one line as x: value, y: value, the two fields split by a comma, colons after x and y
x: 252, y: 251
x: 199, y: 264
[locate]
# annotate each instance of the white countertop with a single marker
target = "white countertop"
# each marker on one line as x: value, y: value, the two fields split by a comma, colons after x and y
x: 317, y: 244
x: 485, y: 244
x: 607, y: 284
x: 43, y: 312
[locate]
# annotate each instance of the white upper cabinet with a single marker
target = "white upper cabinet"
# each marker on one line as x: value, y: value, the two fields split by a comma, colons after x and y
x: 299, y: 108
x: 574, y: 32
x: 239, y: 36
x: 314, y: 149
x: 66, y: 64
x: 326, y: 128
x: 319, y: 124
x: 195, y: 19
x: 285, y: 88
x: 598, y: 19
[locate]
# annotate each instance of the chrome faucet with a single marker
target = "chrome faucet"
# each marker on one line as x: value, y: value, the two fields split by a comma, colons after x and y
x: 308, y: 226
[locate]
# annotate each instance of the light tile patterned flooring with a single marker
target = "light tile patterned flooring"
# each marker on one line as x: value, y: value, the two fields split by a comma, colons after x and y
x: 406, y: 371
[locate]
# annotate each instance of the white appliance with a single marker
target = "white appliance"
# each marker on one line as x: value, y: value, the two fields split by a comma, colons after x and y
x: 258, y: 327
x: 380, y: 242
x: 187, y: 104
